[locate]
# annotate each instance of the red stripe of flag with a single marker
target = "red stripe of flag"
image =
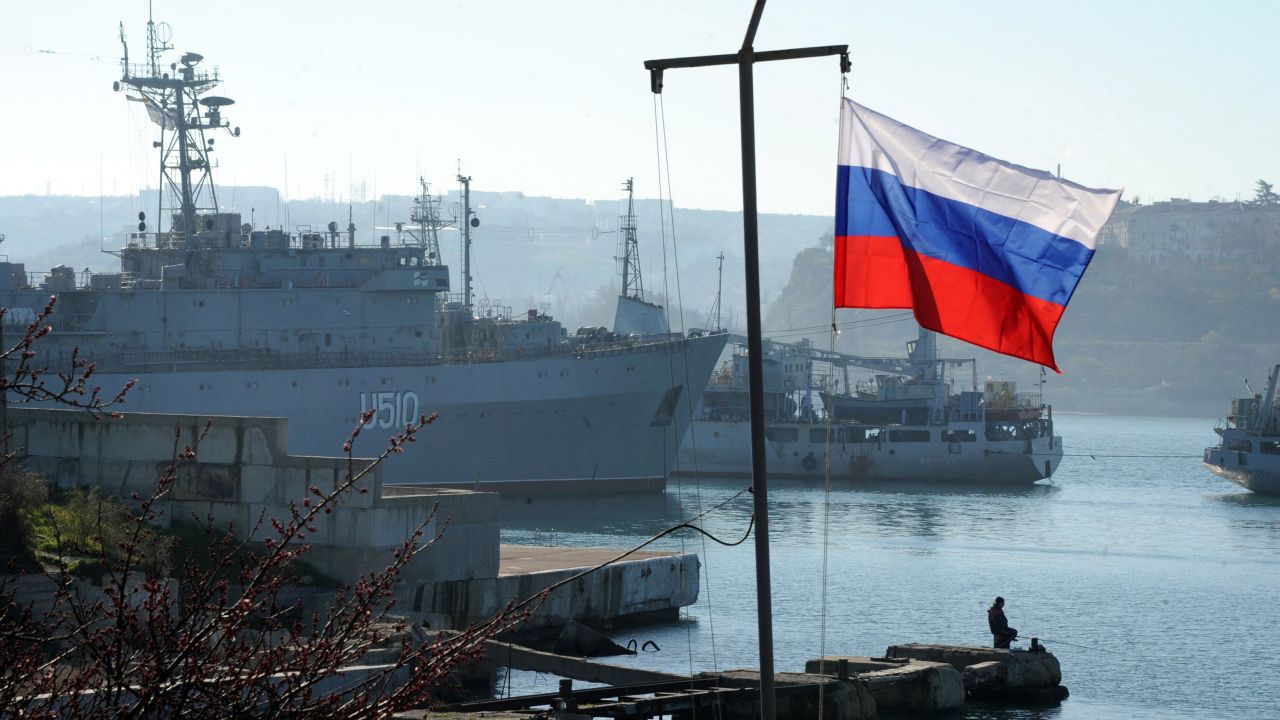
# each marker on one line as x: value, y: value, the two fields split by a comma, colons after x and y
x: 879, y: 272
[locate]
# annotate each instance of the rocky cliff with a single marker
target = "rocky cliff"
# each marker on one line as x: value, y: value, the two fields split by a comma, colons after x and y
x: 1140, y: 337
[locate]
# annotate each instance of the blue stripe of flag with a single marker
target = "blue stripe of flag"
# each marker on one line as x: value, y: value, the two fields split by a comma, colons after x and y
x: 1033, y: 260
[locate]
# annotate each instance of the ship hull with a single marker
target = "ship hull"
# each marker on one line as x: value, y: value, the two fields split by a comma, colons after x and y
x: 608, y: 420
x: 723, y: 448
x: 1250, y: 469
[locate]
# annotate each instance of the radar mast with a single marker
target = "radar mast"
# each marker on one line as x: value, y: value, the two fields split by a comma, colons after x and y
x: 713, y: 316
x: 629, y: 248
x: 468, y: 221
x: 425, y: 222
x: 176, y: 101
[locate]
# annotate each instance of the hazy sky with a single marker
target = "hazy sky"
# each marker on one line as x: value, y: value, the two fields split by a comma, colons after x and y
x: 551, y: 98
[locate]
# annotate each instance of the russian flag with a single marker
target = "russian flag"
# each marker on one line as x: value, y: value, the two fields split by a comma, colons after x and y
x: 980, y: 249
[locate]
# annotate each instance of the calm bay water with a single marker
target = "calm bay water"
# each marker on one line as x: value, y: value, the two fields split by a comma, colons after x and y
x: 1164, y: 579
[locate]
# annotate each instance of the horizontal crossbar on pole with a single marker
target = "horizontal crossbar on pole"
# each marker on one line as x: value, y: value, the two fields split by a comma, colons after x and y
x: 733, y: 59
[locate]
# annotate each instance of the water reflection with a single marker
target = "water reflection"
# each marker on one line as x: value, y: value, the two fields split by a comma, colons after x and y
x: 896, y: 487
x: 619, y: 514
x: 799, y: 513
x: 1252, y: 519
x: 979, y: 711
x: 969, y: 488
x: 1248, y: 499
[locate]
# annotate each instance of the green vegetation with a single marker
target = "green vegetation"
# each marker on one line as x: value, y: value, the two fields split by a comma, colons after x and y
x: 91, y: 531
x: 20, y: 494
x: 1265, y: 194
x: 83, y: 527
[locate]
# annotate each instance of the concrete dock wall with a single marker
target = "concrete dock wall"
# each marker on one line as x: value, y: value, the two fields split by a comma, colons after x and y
x: 506, y: 655
x: 652, y: 585
x: 243, y: 476
x: 904, y: 686
x: 990, y: 674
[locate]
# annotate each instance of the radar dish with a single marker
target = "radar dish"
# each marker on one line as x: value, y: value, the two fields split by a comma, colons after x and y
x: 216, y: 101
x: 246, y: 228
x: 190, y: 58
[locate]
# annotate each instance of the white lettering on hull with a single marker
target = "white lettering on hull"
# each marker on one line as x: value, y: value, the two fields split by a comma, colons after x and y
x: 391, y: 409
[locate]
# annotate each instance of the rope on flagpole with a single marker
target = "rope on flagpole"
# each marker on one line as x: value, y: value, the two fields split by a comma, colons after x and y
x: 664, y: 167
x: 826, y: 489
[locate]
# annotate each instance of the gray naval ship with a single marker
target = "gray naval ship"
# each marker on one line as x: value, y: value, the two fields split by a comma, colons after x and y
x: 908, y: 425
x: 215, y: 316
x: 1249, y: 454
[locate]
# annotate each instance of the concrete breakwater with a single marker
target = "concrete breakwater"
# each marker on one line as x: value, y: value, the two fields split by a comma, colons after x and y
x: 930, y: 678
x: 909, y: 680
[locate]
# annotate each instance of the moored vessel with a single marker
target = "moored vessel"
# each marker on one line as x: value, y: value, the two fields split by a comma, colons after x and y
x: 1249, y: 453
x: 213, y: 315
x: 905, y: 425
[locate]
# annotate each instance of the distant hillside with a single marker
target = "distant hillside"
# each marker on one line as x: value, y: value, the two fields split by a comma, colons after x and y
x: 1176, y: 336
x: 553, y: 254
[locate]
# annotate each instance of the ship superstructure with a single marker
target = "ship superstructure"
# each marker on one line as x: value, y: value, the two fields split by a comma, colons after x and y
x: 1249, y: 454
x: 634, y: 315
x: 216, y: 316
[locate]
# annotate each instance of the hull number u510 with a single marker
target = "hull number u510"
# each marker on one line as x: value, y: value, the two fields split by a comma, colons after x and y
x: 391, y: 409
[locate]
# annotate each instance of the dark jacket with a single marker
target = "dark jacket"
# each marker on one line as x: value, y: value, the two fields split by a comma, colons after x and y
x: 996, y: 620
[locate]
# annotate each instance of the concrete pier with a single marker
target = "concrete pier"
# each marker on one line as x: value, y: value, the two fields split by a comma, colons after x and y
x: 645, y: 586
x: 1013, y: 676
x: 917, y: 686
x: 916, y: 680
x: 518, y: 657
x: 924, y: 678
x: 731, y: 695
x: 797, y: 696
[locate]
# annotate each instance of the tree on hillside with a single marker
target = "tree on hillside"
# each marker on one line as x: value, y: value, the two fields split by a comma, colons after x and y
x: 1264, y: 194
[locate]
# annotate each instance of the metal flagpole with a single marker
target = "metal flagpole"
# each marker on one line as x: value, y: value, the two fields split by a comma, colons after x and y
x: 745, y: 59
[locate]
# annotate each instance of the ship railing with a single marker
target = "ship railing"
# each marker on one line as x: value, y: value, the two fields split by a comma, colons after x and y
x: 1014, y: 401
x: 623, y: 345
x: 724, y: 377
x: 27, y: 280
x: 1027, y: 400
x: 259, y: 358
x: 252, y: 358
x: 54, y: 282
x: 142, y: 71
x: 482, y: 310
x: 470, y: 355
x: 529, y: 352
x: 152, y: 240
